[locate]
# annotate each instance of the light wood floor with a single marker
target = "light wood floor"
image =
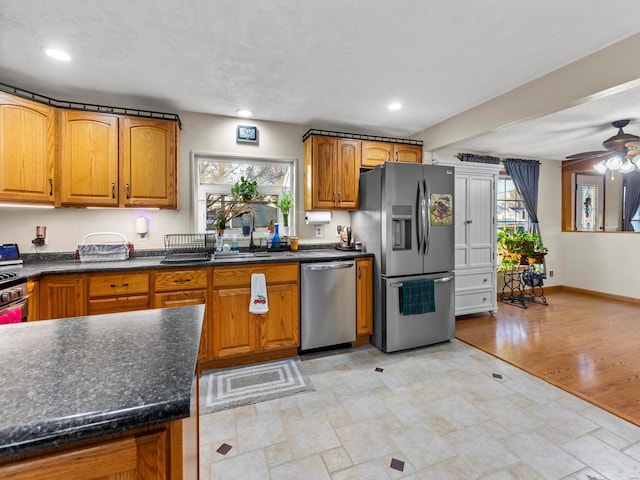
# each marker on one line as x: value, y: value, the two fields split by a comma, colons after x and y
x: 586, y: 345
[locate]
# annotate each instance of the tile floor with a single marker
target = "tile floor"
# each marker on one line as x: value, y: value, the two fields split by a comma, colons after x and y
x: 440, y: 412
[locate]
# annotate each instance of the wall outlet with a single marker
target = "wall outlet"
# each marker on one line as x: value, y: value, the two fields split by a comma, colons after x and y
x: 550, y: 273
x: 318, y: 231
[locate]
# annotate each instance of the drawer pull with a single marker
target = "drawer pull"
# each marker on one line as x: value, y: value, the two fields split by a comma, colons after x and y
x: 183, y: 280
x: 114, y: 285
x: 484, y: 299
x: 485, y: 280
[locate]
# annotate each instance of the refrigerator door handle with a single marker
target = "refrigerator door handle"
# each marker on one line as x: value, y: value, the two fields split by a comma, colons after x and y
x: 396, y: 285
x: 419, y: 223
x: 427, y: 217
x: 443, y: 279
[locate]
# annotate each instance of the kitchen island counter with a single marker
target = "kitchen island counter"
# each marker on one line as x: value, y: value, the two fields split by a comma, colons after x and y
x: 79, y: 378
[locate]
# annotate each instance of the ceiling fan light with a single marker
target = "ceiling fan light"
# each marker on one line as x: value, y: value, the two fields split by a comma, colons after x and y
x: 627, y: 167
x: 614, y: 163
x: 600, y: 166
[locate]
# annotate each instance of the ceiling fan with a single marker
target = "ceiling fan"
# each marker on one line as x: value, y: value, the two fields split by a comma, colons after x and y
x: 622, y: 151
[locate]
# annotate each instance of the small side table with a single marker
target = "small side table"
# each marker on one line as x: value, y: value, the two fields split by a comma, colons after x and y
x: 522, y: 285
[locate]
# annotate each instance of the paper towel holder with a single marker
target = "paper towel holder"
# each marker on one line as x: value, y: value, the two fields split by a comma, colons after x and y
x: 317, y: 217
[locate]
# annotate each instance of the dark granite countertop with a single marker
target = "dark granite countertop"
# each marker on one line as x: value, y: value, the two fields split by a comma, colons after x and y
x: 35, y: 269
x: 76, y: 378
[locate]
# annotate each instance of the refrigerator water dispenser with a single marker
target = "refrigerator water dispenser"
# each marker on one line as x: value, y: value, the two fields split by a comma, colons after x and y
x: 401, y: 227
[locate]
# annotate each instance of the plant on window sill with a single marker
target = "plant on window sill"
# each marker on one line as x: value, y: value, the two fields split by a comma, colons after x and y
x: 285, y: 206
x: 244, y: 190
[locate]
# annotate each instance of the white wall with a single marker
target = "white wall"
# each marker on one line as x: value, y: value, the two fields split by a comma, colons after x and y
x: 601, y: 261
x: 200, y: 133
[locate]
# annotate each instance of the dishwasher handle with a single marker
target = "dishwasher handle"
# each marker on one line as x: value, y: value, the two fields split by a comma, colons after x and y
x: 327, y: 265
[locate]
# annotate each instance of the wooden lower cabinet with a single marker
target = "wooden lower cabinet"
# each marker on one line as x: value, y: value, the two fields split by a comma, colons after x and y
x: 33, y: 290
x: 181, y: 288
x: 158, y: 453
x: 120, y: 292
x: 237, y: 332
x: 62, y: 296
x: 364, y: 296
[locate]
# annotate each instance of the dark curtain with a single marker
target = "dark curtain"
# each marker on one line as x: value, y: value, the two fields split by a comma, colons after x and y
x: 631, y: 198
x: 525, y: 175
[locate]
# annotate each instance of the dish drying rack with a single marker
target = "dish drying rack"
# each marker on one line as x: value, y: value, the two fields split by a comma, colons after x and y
x: 188, y: 247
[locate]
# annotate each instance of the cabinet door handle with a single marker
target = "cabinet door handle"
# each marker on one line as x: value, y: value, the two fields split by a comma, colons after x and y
x: 204, y: 300
x: 397, y: 157
x: 389, y: 155
x: 51, y: 187
x: 468, y: 222
x: 113, y: 190
x: 127, y: 190
x: 339, y: 196
x: 359, y: 273
x: 115, y: 285
x: 183, y: 280
x: 334, y: 196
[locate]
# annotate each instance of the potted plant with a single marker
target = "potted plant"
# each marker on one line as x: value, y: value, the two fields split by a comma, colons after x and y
x: 518, y: 248
x: 245, y: 190
x: 285, y: 206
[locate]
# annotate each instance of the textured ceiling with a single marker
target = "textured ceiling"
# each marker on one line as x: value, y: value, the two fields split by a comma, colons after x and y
x: 320, y: 63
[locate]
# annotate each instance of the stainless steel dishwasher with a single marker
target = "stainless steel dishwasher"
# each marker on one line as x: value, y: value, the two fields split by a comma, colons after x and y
x: 328, y: 304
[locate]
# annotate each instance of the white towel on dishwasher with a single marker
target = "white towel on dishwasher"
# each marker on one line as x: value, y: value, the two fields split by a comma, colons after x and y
x: 259, y: 302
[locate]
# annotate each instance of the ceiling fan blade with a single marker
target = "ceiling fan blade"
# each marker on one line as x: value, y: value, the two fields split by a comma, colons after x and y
x: 633, y: 144
x: 585, y: 155
x: 620, y: 139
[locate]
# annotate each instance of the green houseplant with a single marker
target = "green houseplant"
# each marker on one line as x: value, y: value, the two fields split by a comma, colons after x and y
x: 244, y: 190
x: 516, y: 248
x: 285, y: 206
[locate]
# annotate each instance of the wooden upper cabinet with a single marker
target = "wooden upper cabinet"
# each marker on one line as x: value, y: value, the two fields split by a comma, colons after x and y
x: 27, y: 150
x: 88, y: 159
x: 375, y: 153
x: 407, y: 153
x: 148, y: 163
x: 348, y: 173
x: 331, y: 172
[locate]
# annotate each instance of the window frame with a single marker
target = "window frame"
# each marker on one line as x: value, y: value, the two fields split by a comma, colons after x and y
x: 198, y: 191
x: 501, y: 177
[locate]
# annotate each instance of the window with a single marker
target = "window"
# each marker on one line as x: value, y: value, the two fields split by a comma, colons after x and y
x: 510, y: 208
x: 215, y: 175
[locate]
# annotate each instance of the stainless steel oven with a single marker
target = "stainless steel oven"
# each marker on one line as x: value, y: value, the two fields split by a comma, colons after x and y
x: 14, y: 304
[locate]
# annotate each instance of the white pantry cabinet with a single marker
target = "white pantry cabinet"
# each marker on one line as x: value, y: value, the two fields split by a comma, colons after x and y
x: 475, y: 235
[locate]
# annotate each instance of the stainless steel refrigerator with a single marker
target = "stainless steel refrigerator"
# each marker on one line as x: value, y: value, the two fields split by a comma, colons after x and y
x: 406, y: 220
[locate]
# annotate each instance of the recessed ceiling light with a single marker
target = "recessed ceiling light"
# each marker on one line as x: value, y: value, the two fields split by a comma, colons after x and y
x: 244, y: 113
x: 58, y: 54
x: 395, y: 106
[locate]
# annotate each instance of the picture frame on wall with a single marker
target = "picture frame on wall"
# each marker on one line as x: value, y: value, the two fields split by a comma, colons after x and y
x: 247, y: 134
